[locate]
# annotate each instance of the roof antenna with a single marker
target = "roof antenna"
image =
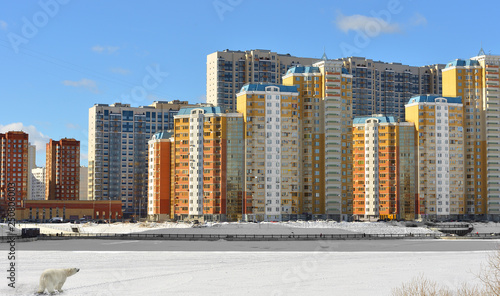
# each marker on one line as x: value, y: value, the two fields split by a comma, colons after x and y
x: 324, y: 57
x: 481, y: 51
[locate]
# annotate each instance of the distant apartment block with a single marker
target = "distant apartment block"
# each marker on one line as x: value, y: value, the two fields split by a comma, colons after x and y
x: 84, y: 181
x: 31, y: 166
x: 118, y: 150
x: 385, y: 88
x: 229, y: 70
x: 13, y: 168
x: 62, y: 170
x: 37, y: 184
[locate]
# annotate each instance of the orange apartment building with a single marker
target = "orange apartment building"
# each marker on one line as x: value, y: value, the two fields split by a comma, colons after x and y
x: 206, y: 168
x: 384, y: 168
x: 160, y: 177
x: 13, y: 169
x: 62, y: 170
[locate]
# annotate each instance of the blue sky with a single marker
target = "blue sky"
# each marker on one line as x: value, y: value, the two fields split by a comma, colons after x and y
x: 59, y: 57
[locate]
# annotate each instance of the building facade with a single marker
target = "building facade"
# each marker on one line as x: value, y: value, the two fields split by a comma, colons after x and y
x: 62, y: 180
x: 118, y: 148
x: 384, y: 169
x: 160, y: 177
x: 208, y: 165
x: 37, y: 184
x: 31, y: 166
x: 325, y: 113
x: 476, y: 81
x: 385, y: 88
x: 439, y: 139
x: 228, y: 71
x: 84, y: 181
x: 272, y: 176
x: 13, y: 170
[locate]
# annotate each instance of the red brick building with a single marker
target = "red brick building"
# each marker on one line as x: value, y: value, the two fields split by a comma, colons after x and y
x: 63, y: 170
x: 13, y: 169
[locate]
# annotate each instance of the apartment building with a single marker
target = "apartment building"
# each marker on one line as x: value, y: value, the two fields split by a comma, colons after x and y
x: 118, y: 148
x: 440, y: 158
x: 62, y: 181
x: 325, y: 128
x: 37, y: 184
x: 272, y: 160
x: 13, y: 169
x: 208, y: 160
x: 384, y: 170
x: 160, y: 177
x: 84, y: 181
x: 384, y: 88
x: 476, y: 81
x: 229, y: 70
x: 31, y: 166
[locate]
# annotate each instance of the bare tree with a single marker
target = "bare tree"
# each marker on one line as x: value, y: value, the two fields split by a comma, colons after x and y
x: 489, y: 277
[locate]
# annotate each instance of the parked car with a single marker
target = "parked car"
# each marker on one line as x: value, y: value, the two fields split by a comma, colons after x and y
x: 56, y: 220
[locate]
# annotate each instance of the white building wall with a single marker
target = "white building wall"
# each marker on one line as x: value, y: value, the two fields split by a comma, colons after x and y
x: 196, y: 162
x: 37, y: 184
x: 371, y: 168
x: 273, y: 154
x: 442, y: 158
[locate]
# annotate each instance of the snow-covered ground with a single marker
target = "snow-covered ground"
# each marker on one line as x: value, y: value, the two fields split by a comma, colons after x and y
x: 242, y: 273
x: 308, y: 227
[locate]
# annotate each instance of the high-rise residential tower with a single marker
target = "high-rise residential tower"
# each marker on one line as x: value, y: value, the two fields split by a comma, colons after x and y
x: 384, y: 169
x: 208, y: 176
x: 37, y: 184
x: 325, y: 130
x: 160, y: 177
x: 229, y: 70
x: 272, y: 175
x: 118, y: 149
x: 439, y: 139
x: 476, y: 81
x: 385, y: 88
x: 62, y: 170
x: 13, y: 169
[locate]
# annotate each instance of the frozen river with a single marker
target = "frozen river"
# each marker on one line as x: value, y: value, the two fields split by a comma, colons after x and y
x: 113, y: 267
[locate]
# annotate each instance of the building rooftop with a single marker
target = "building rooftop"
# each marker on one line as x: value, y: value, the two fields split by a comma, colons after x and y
x: 432, y: 99
x: 161, y: 136
x: 462, y: 63
x: 302, y: 70
x: 381, y: 119
x: 262, y: 87
x: 206, y: 110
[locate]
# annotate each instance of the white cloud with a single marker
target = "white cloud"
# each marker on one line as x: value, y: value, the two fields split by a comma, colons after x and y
x: 91, y: 85
x: 105, y: 49
x: 418, y: 20
x: 120, y: 71
x: 3, y: 25
x: 371, y: 26
x: 35, y: 136
x: 72, y: 126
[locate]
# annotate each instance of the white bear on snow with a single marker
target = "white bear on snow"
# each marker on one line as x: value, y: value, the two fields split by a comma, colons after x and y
x: 53, y: 279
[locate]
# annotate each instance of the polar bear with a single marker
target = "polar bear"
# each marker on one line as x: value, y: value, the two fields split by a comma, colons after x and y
x: 53, y: 279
